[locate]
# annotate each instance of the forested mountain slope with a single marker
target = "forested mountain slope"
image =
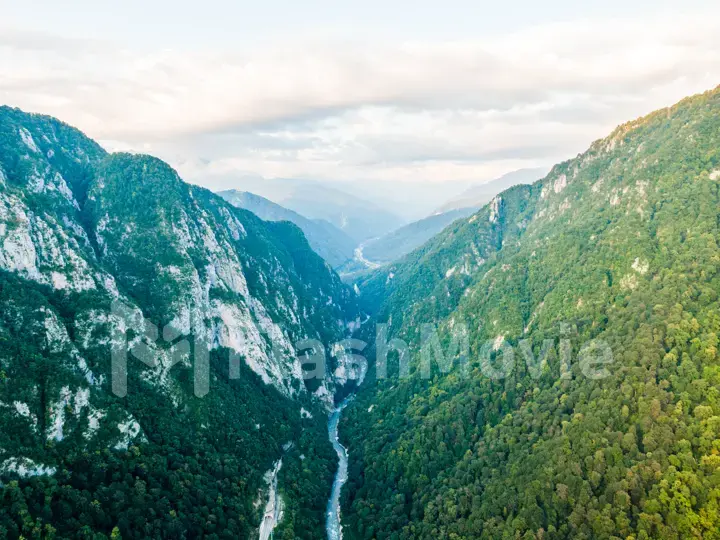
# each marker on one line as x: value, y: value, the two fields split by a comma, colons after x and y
x: 402, y: 241
x: 328, y: 241
x: 619, y: 244
x: 428, y: 283
x: 102, y: 252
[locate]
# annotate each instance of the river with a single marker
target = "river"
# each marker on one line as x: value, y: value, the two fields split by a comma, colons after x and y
x: 274, y: 507
x: 361, y: 258
x: 333, y: 526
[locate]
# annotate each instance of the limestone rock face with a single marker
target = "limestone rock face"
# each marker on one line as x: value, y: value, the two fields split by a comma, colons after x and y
x: 106, y: 254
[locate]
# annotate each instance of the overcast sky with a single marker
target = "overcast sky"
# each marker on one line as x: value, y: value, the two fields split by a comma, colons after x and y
x: 452, y: 91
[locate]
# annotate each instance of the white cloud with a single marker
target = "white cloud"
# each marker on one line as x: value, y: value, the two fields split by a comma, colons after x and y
x: 434, y: 111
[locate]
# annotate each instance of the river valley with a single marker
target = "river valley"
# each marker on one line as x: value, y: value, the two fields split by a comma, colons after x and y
x: 333, y: 525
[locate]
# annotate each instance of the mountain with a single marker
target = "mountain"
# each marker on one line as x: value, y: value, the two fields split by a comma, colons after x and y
x: 582, y: 398
x: 411, y: 200
x: 402, y: 241
x: 148, y: 368
x: 356, y: 217
x: 328, y: 241
x: 479, y: 195
x: 560, y: 379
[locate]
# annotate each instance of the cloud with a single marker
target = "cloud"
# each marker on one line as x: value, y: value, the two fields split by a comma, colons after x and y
x: 436, y: 111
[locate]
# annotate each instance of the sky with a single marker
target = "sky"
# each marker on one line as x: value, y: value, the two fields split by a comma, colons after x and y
x: 381, y: 93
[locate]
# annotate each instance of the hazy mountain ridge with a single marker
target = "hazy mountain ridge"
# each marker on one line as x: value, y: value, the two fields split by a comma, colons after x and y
x: 481, y: 194
x: 402, y: 241
x: 405, y: 239
x: 328, y: 241
x: 356, y: 217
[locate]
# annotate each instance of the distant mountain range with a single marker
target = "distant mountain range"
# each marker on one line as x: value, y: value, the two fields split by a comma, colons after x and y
x: 326, y: 239
x: 345, y: 254
x: 402, y: 241
x: 349, y: 232
x: 481, y: 194
x: 356, y: 217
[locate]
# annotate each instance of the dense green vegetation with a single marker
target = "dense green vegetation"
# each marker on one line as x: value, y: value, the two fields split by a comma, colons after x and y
x: 619, y: 244
x: 197, y: 474
x: 80, y: 228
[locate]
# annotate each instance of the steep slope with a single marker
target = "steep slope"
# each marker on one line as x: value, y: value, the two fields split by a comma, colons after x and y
x: 356, y: 217
x: 478, y: 196
x: 109, y: 261
x: 428, y: 283
x: 328, y: 241
x: 402, y: 241
x: 613, y: 257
